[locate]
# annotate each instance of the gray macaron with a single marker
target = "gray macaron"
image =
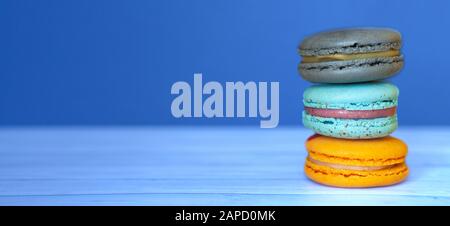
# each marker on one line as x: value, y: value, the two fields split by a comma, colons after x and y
x: 351, y: 55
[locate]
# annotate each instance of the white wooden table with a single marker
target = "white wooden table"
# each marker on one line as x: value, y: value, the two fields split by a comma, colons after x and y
x: 197, y: 166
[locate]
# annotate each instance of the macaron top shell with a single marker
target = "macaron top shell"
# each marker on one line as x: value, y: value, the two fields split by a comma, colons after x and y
x: 350, y: 40
x: 375, y: 152
x: 359, y: 96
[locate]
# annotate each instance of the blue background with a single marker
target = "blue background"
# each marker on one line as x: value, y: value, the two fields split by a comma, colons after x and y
x: 110, y: 62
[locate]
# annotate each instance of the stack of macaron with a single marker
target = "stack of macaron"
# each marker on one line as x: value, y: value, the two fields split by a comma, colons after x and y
x: 353, y: 112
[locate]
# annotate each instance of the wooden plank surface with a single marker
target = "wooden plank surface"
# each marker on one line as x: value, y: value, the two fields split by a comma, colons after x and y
x: 198, y: 166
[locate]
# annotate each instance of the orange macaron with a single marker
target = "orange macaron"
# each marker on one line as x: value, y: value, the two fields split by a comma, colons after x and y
x: 356, y: 163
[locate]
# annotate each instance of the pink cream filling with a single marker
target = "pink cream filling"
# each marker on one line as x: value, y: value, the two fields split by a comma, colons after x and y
x: 351, y: 114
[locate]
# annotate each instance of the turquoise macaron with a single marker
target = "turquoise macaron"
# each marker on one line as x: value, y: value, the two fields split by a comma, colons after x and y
x: 351, y: 111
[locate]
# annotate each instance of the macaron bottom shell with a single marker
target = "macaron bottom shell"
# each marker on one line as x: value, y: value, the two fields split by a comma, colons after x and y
x: 351, y: 128
x: 351, y: 71
x: 355, y: 178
